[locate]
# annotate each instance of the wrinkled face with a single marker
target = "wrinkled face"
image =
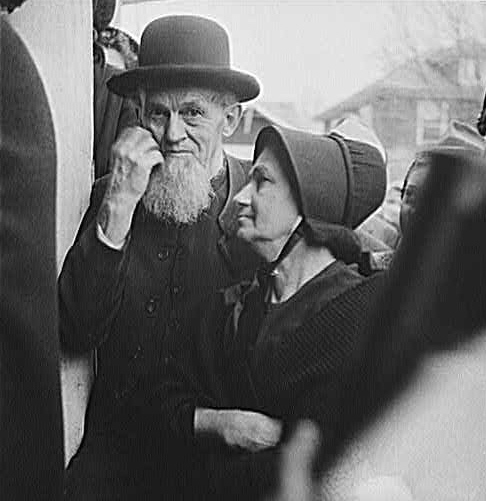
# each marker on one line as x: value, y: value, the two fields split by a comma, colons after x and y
x: 410, y: 196
x: 267, y: 209
x: 187, y: 123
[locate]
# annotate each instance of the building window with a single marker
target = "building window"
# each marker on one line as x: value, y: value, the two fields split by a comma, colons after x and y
x: 432, y: 119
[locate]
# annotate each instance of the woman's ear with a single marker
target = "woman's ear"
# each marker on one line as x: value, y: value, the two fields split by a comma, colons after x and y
x: 232, y: 117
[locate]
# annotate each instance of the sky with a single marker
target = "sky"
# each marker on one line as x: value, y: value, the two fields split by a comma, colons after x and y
x: 313, y: 53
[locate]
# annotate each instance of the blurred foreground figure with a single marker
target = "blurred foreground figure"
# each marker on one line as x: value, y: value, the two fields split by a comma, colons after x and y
x: 419, y: 387
x: 295, y: 476
x: 31, y: 444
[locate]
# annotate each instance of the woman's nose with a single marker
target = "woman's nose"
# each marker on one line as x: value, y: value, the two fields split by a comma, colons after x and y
x: 243, y: 197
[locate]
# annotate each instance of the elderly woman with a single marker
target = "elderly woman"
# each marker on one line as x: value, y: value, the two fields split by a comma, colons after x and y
x: 297, y: 320
x: 277, y: 350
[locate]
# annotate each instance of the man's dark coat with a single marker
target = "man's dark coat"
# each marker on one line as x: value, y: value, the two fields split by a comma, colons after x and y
x: 133, y: 305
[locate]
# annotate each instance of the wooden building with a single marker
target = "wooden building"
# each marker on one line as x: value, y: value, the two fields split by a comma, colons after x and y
x: 260, y: 114
x: 412, y: 106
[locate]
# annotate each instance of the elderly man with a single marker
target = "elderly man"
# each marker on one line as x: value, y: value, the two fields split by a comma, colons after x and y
x: 158, y: 238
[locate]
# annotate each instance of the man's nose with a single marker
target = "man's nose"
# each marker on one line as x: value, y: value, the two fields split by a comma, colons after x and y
x: 243, y: 197
x: 175, y: 130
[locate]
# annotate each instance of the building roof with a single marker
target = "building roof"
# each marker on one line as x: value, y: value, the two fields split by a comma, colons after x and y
x: 286, y: 114
x: 423, y: 78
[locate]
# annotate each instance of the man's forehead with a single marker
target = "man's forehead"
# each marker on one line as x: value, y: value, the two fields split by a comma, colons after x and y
x: 176, y: 97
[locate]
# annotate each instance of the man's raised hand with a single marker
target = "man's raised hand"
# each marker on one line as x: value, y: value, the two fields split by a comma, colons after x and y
x: 133, y: 157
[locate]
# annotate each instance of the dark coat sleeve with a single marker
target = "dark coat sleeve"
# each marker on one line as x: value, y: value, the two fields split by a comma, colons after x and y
x: 91, y: 283
x: 240, y: 476
x: 221, y: 473
x: 191, y: 377
x: 194, y: 380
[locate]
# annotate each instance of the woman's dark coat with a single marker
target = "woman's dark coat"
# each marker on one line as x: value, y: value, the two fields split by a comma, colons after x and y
x: 300, y: 378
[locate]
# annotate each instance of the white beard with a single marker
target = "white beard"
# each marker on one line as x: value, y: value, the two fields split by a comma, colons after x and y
x: 179, y: 191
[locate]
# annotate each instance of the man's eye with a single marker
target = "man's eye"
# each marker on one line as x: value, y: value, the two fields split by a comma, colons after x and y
x: 157, y: 114
x: 192, y: 112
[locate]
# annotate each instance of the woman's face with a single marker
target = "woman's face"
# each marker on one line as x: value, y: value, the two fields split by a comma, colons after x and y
x: 267, y: 209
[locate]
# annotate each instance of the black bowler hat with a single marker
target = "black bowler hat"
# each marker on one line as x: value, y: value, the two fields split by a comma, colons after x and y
x: 185, y: 51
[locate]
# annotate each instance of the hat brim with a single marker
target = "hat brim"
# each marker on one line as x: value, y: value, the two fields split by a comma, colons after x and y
x: 244, y: 86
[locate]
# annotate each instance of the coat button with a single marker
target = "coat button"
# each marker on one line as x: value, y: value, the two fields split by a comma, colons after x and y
x: 175, y: 324
x: 163, y: 254
x: 151, y: 306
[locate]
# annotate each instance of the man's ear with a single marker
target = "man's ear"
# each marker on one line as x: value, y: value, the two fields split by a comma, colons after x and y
x: 232, y: 117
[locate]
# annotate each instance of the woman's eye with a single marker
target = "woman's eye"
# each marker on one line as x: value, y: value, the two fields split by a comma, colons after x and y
x: 261, y: 180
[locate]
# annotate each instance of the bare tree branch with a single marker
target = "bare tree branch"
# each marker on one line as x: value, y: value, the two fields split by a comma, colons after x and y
x: 418, y: 29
